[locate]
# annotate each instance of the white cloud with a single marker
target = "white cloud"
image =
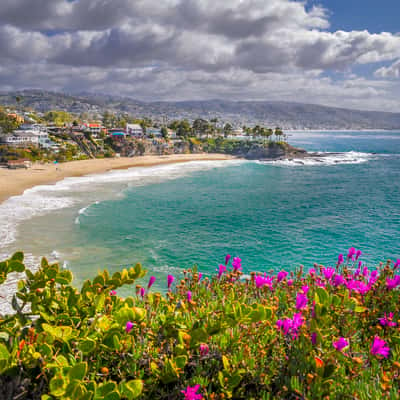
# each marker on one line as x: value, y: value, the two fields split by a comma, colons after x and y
x: 392, y: 71
x: 253, y: 49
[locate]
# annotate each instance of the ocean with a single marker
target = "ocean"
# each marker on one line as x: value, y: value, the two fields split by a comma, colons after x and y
x: 273, y: 215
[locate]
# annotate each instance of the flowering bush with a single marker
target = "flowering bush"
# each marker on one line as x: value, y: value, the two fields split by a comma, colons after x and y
x: 332, y: 333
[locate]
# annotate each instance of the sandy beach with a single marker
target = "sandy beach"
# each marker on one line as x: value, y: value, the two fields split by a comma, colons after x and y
x: 15, y: 182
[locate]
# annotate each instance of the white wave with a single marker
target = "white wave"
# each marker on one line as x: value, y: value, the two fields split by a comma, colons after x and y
x: 43, y: 199
x: 82, y: 211
x: 55, y: 255
x: 325, y: 159
x: 20, y: 208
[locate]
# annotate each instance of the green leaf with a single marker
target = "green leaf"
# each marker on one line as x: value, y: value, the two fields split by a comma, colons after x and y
x: 360, y: 309
x: 105, y: 388
x: 4, y: 353
x: 78, y: 371
x: 64, y: 277
x: 58, y: 385
x: 140, y: 313
x: 181, y: 361
x: 321, y: 296
x: 18, y: 256
x: 87, y: 346
x: 44, y: 263
x: 226, y: 363
x: 59, y: 332
x: 46, y: 350
x: 133, y: 389
x: 199, y: 335
x: 112, y: 396
x: 16, y: 266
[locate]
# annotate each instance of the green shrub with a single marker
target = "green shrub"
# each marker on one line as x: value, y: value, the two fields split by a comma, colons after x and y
x: 289, y: 336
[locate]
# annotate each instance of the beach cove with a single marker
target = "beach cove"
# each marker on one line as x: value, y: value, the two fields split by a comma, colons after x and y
x: 14, y: 182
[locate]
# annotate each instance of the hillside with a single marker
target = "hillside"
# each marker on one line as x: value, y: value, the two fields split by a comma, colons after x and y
x: 289, y: 115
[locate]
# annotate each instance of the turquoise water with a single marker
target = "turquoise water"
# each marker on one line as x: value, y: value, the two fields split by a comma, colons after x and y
x: 272, y: 215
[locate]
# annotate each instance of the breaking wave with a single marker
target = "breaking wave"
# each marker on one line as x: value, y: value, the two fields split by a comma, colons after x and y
x: 326, y: 159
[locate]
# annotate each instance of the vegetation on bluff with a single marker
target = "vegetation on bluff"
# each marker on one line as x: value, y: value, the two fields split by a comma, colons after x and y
x: 328, y: 333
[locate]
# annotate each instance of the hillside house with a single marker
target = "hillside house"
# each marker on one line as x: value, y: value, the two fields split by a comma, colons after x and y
x: 27, y: 137
x: 94, y: 129
x: 134, y: 130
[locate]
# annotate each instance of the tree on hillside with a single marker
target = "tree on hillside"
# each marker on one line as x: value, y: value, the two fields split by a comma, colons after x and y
x: 201, y: 126
x: 228, y: 129
x: 278, y: 133
x: 164, y: 132
x: 60, y: 118
x: 183, y: 128
x: 7, y: 123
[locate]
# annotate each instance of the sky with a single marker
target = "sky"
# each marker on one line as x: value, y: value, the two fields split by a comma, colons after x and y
x: 342, y: 53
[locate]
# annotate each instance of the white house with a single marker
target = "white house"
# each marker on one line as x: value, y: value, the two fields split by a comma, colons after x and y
x: 26, y: 137
x: 33, y: 127
x: 134, y: 130
x: 18, y: 138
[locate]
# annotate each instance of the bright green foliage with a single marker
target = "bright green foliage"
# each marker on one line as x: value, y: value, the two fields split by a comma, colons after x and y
x: 73, y: 344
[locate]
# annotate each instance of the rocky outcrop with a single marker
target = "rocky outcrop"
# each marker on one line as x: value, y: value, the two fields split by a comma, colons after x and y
x: 272, y: 151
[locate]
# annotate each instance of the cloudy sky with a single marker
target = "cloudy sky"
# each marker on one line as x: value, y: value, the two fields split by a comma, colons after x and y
x: 334, y: 52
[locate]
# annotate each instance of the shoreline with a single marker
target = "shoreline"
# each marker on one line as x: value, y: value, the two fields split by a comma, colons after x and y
x: 15, y: 182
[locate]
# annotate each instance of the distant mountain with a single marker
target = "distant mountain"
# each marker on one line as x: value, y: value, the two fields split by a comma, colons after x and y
x: 288, y: 115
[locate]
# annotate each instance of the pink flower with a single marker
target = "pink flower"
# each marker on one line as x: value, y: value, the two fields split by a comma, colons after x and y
x: 129, y: 326
x: 204, y: 349
x: 200, y: 275
x: 397, y: 264
x: 340, y: 259
x: 142, y: 292
x: 170, y: 279
x: 221, y: 270
x: 227, y: 258
x: 379, y: 347
x: 290, y: 282
x: 320, y: 283
x: 113, y: 293
x: 387, y: 320
x: 338, y: 280
x: 314, y: 338
x: 281, y: 275
x: 285, y: 325
x: 365, y: 271
x: 393, y: 283
x: 351, y: 253
x: 373, y: 277
x: 328, y: 272
x: 151, y: 281
x: 305, y: 289
x: 297, y: 321
x: 312, y: 271
x: 237, y: 264
x: 358, y: 254
x: 291, y: 326
x: 340, y: 344
x: 263, y: 281
x: 189, y: 296
x: 190, y: 393
x: 301, y: 301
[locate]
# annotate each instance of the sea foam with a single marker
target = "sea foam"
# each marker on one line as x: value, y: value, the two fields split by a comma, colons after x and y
x: 325, y: 159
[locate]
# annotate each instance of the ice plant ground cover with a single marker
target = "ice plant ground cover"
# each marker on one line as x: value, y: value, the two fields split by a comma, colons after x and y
x: 325, y: 333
